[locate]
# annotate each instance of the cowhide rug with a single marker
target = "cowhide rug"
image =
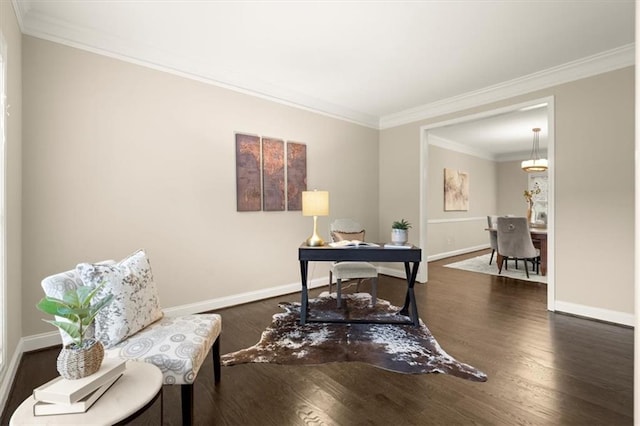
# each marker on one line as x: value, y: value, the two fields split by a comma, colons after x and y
x: 395, y: 347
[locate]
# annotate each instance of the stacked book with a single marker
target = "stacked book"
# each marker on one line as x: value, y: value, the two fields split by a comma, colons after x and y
x: 62, y: 396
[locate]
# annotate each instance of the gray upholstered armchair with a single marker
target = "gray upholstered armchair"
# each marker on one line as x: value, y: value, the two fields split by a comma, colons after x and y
x: 514, y: 242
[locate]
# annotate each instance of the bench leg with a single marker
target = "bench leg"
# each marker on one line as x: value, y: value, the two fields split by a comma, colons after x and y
x: 187, y: 404
x: 216, y: 360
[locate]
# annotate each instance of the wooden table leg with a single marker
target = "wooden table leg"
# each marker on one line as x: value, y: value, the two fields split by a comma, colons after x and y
x: 500, y: 262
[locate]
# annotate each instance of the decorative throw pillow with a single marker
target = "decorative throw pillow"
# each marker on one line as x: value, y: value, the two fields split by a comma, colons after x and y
x: 340, y: 235
x: 135, y: 304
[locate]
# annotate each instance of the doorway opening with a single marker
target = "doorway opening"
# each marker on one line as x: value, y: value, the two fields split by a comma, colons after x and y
x: 546, y: 105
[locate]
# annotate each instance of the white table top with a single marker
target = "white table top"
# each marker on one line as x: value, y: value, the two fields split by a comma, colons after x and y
x: 139, y: 384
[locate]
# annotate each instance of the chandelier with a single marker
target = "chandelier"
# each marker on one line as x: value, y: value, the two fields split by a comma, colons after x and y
x: 535, y: 163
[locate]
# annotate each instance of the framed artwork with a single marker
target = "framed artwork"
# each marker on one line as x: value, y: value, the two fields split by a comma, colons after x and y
x: 296, y: 174
x: 268, y: 177
x: 248, y: 193
x: 456, y: 190
x: 272, y: 174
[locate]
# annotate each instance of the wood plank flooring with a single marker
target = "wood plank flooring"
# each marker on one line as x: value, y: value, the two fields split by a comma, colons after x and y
x: 543, y: 368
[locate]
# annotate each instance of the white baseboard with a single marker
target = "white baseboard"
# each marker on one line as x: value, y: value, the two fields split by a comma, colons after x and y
x: 589, y: 312
x: 457, y: 252
x: 239, y: 299
x: 45, y: 340
x: 397, y: 273
x: 9, y: 374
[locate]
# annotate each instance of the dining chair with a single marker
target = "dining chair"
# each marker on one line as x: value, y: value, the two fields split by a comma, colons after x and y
x: 514, y: 241
x: 492, y: 223
x: 348, y: 229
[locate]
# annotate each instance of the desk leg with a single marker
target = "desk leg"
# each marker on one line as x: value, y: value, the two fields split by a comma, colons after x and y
x: 304, y: 302
x: 410, y: 307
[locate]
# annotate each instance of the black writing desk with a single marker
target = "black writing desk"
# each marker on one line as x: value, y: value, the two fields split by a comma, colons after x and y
x: 411, y: 258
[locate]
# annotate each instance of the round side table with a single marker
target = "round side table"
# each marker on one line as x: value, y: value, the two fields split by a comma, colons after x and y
x: 131, y: 394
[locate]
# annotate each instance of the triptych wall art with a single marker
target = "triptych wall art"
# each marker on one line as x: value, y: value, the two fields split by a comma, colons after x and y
x: 270, y: 175
x: 456, y: 190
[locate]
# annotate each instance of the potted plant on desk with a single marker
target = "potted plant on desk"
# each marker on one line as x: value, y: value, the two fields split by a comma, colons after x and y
x: 74, y: 314
x: 400, y: 232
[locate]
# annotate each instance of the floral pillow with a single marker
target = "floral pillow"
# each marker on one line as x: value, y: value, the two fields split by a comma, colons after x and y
x: 135, y: 304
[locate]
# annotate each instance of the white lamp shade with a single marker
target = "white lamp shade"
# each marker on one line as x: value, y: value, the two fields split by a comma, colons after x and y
x: 538, y: 165
x: 535, y: 164
x: 315, y: 203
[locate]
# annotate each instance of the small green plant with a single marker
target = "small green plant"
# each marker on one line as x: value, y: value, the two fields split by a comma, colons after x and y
x: 75, y: 307
x: 401, y: 224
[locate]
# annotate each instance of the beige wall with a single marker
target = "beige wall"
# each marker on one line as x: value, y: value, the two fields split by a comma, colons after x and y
x: 594, y: 170
x: 450, y: 231
x: 118, y: 157
x: 512, y: 182
x: 13, y: 185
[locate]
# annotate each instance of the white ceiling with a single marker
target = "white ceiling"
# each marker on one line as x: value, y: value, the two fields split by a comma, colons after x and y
x: 370, y: 62
x: 502, y: 137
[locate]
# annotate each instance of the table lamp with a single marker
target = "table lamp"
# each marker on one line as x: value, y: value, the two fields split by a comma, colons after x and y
x: 315, y: 203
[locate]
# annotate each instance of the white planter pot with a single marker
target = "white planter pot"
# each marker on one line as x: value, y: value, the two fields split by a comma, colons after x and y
x: 399, y: 236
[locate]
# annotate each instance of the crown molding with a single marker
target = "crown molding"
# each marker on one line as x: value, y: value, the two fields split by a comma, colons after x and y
x: 610, y: 60
x: 37, y: 25
x: 519, y: 156
x: 451, y: 145
x: 20, y: 9
x: 458, y: 147
x: 58, y: 31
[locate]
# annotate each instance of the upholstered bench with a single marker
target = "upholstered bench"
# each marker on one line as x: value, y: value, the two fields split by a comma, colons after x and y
x: 177, y: 345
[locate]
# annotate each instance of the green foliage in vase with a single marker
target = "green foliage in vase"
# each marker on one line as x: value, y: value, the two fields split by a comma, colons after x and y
x: 530, y: 194
x: 75, y: 307
x: 401, y: 224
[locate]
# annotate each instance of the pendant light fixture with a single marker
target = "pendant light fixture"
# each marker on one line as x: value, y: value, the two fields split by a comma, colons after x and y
x: 535, y: 163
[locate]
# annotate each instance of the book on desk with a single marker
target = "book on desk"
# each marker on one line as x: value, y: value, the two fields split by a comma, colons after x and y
x: 60, y: 396
x: 353, y: 243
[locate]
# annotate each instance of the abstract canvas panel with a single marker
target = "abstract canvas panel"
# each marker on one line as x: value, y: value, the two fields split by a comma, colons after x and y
x: 456, y: 190
x: 248, y: 190
x: 270, y: 175
x: 296, y: 174
x: 273, y: 174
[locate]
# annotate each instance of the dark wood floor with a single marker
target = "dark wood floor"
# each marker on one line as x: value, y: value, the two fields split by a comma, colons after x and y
x: 543, y: 368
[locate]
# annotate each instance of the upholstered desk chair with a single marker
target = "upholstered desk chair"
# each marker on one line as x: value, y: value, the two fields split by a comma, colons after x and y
x: 134, y: 327
x: 348, y: 229
x: 514, y: 241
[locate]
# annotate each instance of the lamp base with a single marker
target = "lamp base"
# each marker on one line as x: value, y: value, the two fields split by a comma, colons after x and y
x: 315, y: 241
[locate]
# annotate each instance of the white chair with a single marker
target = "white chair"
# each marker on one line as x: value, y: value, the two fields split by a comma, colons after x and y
x: 134, y: 327
x: 348, y: 229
